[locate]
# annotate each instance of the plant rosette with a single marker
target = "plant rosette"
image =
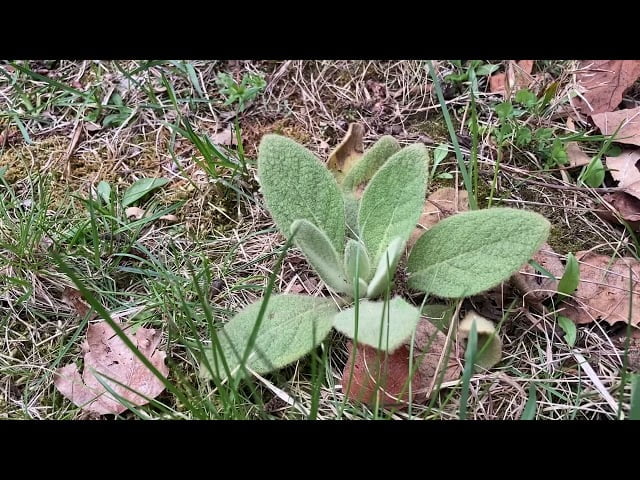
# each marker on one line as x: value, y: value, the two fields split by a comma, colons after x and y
x: 352, y: 226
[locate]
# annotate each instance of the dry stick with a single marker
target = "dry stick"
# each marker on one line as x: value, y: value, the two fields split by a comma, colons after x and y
x: 580, y: 189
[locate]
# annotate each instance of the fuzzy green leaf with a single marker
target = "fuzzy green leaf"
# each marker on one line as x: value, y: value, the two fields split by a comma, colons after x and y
x: 291, y: 327
x: 321, y: 254
x: 297, y: 186
x: 386, y: 268
x: 473, y: 251
x: 370, y: 163
x: 382, y: 325
x: 571, y: 276
x: 140, y: 188
x: 351, y: 207
x: 356, y: 260
x: 392, y: 202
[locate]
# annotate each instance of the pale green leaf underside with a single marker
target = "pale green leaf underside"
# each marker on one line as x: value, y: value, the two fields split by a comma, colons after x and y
x: 382, y: 326
x: 291, y: 327
x: 321, y: 254
x: 392, y: 202
x: 386, y: 268
x: 297, y: 186
x: 371, y: 161
x: 473, y: 251
x: 356, y: 260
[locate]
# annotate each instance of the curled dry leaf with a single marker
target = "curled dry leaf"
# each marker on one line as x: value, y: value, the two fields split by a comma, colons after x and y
x: 134, y: 212
x: 535, y: 286
x: 628, y: 120
x: 577, y: 158
x: 73, y: 298
x: 348, y: 152
x: 387, y: 374
x: 603, y: 83
x: 489, y: 350
x: 603, y: 291
x: 169, y: 218
x: 516, y: 77
x: 442, y: 203
x: 624, y: 169
x: 624, y: 206
x: 107, y: 354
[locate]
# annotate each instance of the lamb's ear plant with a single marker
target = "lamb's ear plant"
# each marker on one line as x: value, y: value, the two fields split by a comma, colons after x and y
x: 353, y: 234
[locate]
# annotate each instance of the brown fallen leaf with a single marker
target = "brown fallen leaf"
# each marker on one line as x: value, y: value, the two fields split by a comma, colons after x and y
x: 440, y: 204
x: 348, y: 152
x: 73, y: 298
x: 535, y: 286
x: 628, y: 120
x: 516, y: 77
x: 376, y: 372
x: 626, y: 206
x: 134, y: 212
x: 603, y: 291
x: 624, y: 169
x: 577, y: 158
x: 489, y: 348
x: 107, y: 354
x: 603, y: 83
x: 225, y: 137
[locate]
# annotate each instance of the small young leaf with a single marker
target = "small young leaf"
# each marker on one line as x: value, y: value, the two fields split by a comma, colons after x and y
x: 489, y: 350
x: 140, y: 188
x: 291, y: 327
x: 356, y: 260
x: 592, y: 175
x: 486, y: 69
x: 526, y: 98
x: 523, y: 136
x: 569, y: 329
x: 504, y: 109
x: 559, y: 155
x: 321, y: 254
x: 382, y: 325
x: 104, y: 192
x: 386, y: 268
x: 297, y: 186
x: 529, y: 412
x: 473, y: 251
x: 370, y: 163
x: 571, y: 277
x: 392, y: 202
x: 439, y: 154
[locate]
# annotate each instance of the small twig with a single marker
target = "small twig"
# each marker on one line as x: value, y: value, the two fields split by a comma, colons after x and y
x: 580, y: 189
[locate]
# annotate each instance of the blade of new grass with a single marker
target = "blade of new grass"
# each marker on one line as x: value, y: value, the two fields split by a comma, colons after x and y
x: 473, y: 204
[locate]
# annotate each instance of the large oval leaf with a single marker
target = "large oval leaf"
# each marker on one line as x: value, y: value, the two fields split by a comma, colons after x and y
x: 471, y: 252
x: 392, y: 202
x: 291, y: 327
x: 382, y: 325
x: 297, y: 186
